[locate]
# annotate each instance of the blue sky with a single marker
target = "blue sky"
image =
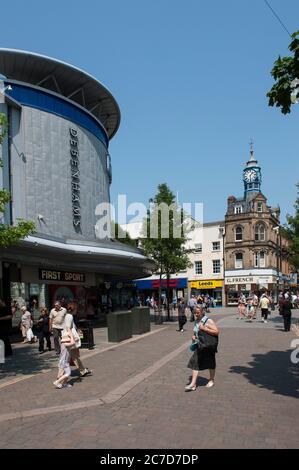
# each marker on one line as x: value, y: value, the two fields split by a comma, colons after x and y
x: 190, y: 78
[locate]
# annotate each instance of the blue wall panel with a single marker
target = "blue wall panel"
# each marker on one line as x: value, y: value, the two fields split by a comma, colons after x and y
x: 55, y: 105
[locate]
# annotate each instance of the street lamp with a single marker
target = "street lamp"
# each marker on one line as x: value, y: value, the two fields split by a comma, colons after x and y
x: 276, y: 229
x: 222, y: 234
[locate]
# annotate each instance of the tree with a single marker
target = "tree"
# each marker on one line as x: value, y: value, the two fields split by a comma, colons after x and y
x: 10, y: 235
x: 285, y: 71
x: 291, y: 231
x: 122, y: 235
x: 164, y: 236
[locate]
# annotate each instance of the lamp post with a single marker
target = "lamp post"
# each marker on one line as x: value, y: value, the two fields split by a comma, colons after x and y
x: 276, y: 229
x: 222, y: 234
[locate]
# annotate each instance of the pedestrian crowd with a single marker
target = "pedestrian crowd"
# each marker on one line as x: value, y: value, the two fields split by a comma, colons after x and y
x: 247, y: 307
x: 60, y: 324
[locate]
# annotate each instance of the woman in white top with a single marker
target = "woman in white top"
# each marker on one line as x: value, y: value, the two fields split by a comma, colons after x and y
x: 69, y: 326
x: 26, y: 322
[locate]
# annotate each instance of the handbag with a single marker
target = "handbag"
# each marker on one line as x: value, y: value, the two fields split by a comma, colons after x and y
x: 207, y: 342
x: 29, y: 335
x: 193, y: 346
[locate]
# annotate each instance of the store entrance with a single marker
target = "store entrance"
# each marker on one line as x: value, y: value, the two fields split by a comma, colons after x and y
x: 214, y: 294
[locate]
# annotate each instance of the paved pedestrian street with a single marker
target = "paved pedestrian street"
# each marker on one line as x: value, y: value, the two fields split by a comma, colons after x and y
x: 136, y: 397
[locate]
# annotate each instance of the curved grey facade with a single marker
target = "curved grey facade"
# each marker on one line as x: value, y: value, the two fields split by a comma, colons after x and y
x: 42, y: 183
x: 57, y: 169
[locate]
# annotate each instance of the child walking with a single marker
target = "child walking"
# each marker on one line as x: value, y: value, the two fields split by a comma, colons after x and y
x: 64, y: 370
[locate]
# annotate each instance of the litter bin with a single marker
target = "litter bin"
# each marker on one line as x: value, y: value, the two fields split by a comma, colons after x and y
x: 87, y: 329
x: 119, y: 326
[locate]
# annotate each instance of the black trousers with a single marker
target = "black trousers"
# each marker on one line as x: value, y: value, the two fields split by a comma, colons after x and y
x: 287, y: 322
x: 57, y: 336
x: 182, y: 321
x: 265, y: 313
x: 42, y: 336
x: 4, y: 336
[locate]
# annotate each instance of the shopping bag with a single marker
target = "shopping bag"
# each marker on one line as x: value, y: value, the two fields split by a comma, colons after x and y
x: 29, y: 335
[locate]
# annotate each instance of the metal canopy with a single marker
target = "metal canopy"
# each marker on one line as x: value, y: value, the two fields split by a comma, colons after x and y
x: 65, y: 79
x: 114, y: 262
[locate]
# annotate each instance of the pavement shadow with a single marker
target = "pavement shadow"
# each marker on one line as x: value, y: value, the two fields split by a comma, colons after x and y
x: 27, y: 361
x: 273, y: 371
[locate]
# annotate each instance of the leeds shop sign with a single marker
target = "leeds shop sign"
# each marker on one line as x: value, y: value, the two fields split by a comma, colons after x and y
x: 60, y: 276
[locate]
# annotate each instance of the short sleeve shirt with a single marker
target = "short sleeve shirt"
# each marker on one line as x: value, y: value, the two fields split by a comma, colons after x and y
x: 57, y: 317
x: 264, y: 303
x: 26, y: 319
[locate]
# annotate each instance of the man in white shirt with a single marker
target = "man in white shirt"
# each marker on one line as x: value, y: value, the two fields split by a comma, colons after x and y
x: 57, y: 316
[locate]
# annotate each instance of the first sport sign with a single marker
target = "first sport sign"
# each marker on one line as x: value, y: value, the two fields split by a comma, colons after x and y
x: 60, y: 276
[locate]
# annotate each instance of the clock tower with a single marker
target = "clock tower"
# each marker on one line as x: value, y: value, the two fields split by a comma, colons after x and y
x: 252, y: 176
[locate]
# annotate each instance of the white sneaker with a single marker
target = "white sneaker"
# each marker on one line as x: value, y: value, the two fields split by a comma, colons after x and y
x: 182, y: 329
x: 190, y: 388
x: 265, y: 321
x: 210, y: 384
x: 57, y: 384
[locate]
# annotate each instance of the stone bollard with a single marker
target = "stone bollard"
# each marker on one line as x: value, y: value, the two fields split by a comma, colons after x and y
x: 140, y: 320
x: 119, y: 326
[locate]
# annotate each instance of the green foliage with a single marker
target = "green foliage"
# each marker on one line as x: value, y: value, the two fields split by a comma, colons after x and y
x: 121, y: 235
x: 3, y: 127
x: 285, y: 70
x: 169, y: 253
x: 291, y: 231
x: 10, y: 235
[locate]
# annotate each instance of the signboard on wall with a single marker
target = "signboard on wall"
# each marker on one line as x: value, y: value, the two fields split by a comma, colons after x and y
x: 206, y: 284
x: 262, y: 280
x: 60, y: 276
x: 179, y: 283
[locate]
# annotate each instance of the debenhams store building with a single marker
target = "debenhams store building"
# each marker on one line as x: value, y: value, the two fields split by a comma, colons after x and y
x: 57, y: 168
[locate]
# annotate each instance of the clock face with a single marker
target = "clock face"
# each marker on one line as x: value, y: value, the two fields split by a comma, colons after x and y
x: 250, y: 176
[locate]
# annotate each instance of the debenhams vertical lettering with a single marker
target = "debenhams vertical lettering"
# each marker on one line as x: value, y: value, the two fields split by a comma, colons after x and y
x: 75, y: 175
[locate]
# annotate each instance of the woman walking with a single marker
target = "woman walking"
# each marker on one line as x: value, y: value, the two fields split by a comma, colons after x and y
x: 74, y: 352
x: 242, y: 307
x: 202, y: 359
x: 26, y: 326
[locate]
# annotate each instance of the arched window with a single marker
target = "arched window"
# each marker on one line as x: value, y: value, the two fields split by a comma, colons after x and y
x: 238, y: 234
x: 260, y: 233
x: 239, y: 260
x: 260, y: 259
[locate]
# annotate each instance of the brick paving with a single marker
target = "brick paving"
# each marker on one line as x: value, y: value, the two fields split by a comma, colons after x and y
x: 253, y: 404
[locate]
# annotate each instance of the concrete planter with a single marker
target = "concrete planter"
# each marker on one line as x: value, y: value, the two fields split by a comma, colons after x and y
x: 140, y: 320
x: 119, y: 326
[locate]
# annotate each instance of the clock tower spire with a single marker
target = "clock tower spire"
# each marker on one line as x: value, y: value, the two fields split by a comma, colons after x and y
x: 252, y: 177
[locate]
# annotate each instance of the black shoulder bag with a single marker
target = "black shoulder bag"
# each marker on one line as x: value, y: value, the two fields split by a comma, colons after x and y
x: 207, y: 342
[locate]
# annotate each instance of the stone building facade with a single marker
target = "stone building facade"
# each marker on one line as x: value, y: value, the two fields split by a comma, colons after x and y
x: 255, y: 256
